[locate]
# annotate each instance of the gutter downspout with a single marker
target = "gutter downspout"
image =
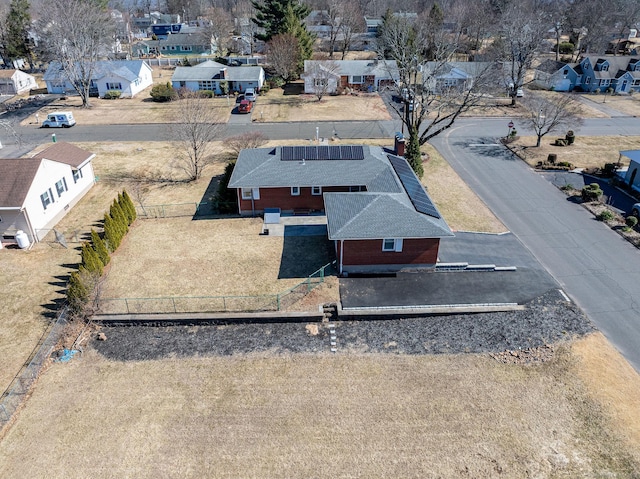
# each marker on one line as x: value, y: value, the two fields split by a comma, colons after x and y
x: 341, y: 256
x: 33, y: 233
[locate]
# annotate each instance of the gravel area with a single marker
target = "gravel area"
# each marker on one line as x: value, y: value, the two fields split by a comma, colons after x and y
x: 546, y: 320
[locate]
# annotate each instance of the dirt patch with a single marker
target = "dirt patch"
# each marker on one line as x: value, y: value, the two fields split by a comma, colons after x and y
x: 586, y: 152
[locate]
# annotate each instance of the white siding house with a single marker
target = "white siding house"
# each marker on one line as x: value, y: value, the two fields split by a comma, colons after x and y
x: 36, y: 193
x: 15, y: 82
x: 208, y: 76
x: 129, y: 77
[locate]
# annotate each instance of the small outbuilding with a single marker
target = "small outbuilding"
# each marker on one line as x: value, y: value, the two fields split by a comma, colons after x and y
x: 16, y: 82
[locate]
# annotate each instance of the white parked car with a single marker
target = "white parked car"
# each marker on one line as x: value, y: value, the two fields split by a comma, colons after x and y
x: 250, y: 94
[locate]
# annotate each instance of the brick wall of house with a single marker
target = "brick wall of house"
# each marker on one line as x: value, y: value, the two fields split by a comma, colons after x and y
x: 281, y: 198
x: 422, y: 251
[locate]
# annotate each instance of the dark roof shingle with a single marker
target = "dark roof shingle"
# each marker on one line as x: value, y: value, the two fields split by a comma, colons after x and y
x: 66, y: 153
x: 16, y: 176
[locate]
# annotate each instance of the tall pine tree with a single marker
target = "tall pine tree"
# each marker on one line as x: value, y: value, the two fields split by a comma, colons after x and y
x: 271, y: 15
x: 18, y: 21
x: 100, y: 247
x: 295, y: 27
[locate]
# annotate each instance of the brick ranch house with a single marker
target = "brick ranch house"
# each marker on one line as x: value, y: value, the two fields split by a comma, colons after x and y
x: 379, y: 216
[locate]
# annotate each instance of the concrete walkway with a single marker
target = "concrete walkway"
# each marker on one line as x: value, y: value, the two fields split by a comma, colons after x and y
x: 302, y: 225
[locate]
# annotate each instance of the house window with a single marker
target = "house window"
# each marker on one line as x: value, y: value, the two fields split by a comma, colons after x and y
x: 114, y: 86
x: 636, y: 82
x: 77, y: 174
x: 186, y: 48
x: 61, y: 186
x: 321, y: 82
x: 46, y: 198
x: 604, y: 82
x: 605, y: 68
x: 357, y: 188
x: 206, y: 85
x: 316, y: 190
x: 295, y: 191
x: 173, y: 47
x: 588, y: 80
x: 163, y: 48
x: 356, y: 79
x: 565, y: 71
x: 391, y: 244
x: 246, y: 194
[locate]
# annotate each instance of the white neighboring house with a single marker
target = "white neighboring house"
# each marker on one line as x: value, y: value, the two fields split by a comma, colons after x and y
x: 208, y: 76
x: 15, y: 82
x: 129, y: 77
x: 364, y: 75
x: 36, y: 193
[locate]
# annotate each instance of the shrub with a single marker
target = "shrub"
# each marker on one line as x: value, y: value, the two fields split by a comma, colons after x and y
x: 163, y: 92
x: 566, y: 47
x: 608, y: 170
x: 112, y: 94
x: 90, y: 259
x: 275, y: 82
x: 131, y: 208
x: 100, y: 247
x: 591, y: 192
x: 265, y: 88
x: 77, y: 293
x: 565, y: 164
x: 226, y: 199
x: 250, y: 139
x: 605, y: 215
x: 205, y: 94
x: 631, y: 221
x: 111, y: 232
x: 119, y: 217
x: 567, y: 187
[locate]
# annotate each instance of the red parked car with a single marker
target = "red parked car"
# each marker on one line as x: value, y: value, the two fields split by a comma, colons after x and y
x: 245, y: 106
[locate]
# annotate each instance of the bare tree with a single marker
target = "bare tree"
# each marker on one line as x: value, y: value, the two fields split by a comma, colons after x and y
x: 197, y: 127
x: 76, y: 33
x: 219, y: 29
x: 284, y: 55
x: 351, y: 24
x: 250, y: 139
x: 523, y: 30
x: 426, y: 109
x: 322, y: 72
x: 550, y: 114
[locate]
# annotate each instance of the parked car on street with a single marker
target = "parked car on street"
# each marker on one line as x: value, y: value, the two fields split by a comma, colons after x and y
x: 59, y: 119
x: 245, y: 106
x: 635, y: 210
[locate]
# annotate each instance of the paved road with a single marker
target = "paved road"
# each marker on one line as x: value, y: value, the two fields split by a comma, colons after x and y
x: 595, y: 266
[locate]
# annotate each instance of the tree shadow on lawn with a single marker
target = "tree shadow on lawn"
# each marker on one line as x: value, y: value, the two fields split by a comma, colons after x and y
x: 205, y: 207
x: 304, y: 255
x: 293, y: 88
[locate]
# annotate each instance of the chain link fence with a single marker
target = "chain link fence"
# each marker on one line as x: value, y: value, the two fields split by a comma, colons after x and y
x: 216, y: 304
x: 205, y: 208
x: 17, y: 391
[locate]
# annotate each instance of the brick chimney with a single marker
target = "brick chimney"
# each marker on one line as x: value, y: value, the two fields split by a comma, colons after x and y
x: 398, y: 145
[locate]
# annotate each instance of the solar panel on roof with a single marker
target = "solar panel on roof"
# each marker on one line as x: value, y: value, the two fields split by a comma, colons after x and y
x: 298, y: 153
x: 419, y: 198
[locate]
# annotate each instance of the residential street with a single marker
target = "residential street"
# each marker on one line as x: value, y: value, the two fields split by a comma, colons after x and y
x: 595, y: 266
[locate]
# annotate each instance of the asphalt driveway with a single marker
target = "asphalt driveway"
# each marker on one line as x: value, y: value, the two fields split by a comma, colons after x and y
x: 530, y: 280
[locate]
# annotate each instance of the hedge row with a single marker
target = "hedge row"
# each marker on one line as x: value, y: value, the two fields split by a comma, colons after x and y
x: 95, y: 254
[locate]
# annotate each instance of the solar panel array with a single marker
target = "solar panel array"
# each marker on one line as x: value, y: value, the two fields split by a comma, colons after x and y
x: 310, y: 153
x: 421, y: 201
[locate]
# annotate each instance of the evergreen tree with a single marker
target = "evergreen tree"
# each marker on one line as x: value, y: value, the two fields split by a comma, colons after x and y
x: 271, y: 15
x: 90, y: 259
x: 132, y: 208
x: 295, y: 27
x: 18, y: 21
x: 412, y: 153
x: 77, y: 293
x: 100, y: 247
x: 226, y: 199
x: 119, y: 218
x: 124, y: 208
x: 111, y: 232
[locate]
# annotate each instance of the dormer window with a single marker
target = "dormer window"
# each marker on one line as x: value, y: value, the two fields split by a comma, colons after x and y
x: 604, y: 67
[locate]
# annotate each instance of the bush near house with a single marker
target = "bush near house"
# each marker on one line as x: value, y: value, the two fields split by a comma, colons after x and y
x: 112, y: 94
x: 163, y: 92
x: 591, y: 192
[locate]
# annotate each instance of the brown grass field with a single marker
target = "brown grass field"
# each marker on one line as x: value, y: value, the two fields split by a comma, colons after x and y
x: 322, y: 415
x: 586, y: 152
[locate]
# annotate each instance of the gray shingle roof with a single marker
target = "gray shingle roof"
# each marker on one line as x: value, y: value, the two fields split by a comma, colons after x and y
x: 127, y: 69
x: 380, y: 69
x: 353, y: 215
x: 204, y: 73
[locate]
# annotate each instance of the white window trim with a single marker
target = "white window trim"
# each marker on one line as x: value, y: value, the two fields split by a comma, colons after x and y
x: 396, y: 247
x: 353, y: 79
x: 295, y: 191
x: 246, y: 193
x: 316, y: 190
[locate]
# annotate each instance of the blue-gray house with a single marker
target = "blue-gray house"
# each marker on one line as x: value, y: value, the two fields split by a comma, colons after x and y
x: 599, y: 73
x: 557, y: 76
x: 209, y: 75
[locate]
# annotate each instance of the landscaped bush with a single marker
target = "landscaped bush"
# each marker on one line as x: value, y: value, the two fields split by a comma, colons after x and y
x: 631, y: 222
x: 226, y: 199
x: 591, y: 192
x: 77, y: 294
x: 205, y: 94
x: 605, y: 215
x: 565, y: 164
x: 90, y: 259
x: 566, y: 47
x: 112, y: 94
x: 163, y: 92
x: 100, y: 247
x: 265, y: 88
x: 275, y: 82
